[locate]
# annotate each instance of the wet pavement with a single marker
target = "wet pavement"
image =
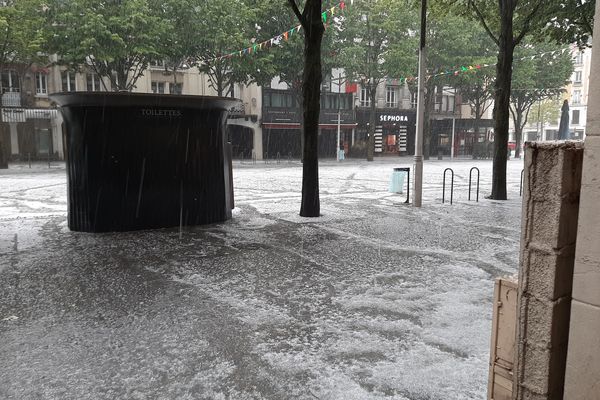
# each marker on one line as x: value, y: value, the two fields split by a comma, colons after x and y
x: 373, y: 300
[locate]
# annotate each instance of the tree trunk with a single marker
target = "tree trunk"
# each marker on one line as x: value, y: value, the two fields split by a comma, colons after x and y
x: 518, y: 123
x: 311, y: 102
x: 297, y: 94
x: 372, y: 122
x: 502, y: 101
x: 518, y: 135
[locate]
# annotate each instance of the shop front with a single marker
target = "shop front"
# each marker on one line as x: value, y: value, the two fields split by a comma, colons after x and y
x: 394, y: 130
x: 281, y: 124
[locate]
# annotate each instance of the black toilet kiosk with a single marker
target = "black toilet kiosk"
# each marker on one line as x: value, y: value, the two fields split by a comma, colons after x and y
x: 142, y: 161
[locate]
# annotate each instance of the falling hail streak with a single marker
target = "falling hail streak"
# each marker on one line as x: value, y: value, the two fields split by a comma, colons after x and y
x: 137, y: 208
x: 187, y: 142
x: 181, y: 208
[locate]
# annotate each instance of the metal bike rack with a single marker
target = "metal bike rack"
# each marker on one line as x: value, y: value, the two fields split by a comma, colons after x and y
x: 451, y: 185
x: 521, y: 184
x: 470, y: 174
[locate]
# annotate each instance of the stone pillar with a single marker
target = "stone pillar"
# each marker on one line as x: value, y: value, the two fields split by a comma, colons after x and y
x: 57, y: 136
x: 258, y: 141
x: 552, y: 182
x: 14, y: 139
x: 583, y: 361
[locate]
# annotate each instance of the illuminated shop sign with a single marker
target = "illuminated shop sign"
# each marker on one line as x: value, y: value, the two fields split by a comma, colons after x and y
x: 393, y: 118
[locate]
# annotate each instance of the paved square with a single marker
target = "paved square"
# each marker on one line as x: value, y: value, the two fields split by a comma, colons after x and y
x: 373, y: 300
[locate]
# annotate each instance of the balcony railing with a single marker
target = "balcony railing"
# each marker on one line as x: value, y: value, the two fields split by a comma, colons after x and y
x: 238, y: 110
x: 11, y: 99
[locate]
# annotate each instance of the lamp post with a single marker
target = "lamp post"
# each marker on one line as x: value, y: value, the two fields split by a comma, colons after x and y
x: 418, y: 181
x: 339, y: 119
x: 339, y: 123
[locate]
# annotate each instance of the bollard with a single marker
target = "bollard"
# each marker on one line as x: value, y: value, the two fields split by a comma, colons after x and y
x: 290, y: 157
x: 451, y: 185
x: 471, y: 173
x: 278, y: 157
x: 48, y: 159
x: 29, y: 159
x: 253, y: 157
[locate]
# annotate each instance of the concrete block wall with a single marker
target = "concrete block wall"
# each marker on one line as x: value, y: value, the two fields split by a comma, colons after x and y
x: 552, y: 182
x: 582, y: 381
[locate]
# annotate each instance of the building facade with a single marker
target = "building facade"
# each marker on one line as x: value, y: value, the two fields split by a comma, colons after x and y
x: 268, y: 123
x: 576, y: 93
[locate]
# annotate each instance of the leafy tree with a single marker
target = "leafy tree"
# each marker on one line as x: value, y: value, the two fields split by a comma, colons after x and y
x: 21, y: 36
x: 475, y: 86
x: 312, y: 23
x: 225, y: 27
x: 285, y: 61
x: 506, y: 22
x: 571, y: 22
x: 476, y: 91
x: 116, y: 39
x: 21, y: 41
x: 454, y: 42
x: 377, y: 40
x: 537, y: 79
x: 546, y: 111
x: 180, y: 41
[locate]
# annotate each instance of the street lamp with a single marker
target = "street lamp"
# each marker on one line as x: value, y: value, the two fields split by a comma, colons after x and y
x: 339, y: 115
x: 418, y: 181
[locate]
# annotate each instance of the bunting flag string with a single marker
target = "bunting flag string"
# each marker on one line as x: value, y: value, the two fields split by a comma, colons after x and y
x: 330, y: 12
x: 277, y: 39
x: 455, y: 71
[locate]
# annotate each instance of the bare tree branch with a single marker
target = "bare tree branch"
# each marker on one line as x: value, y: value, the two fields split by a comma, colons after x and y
x: 482, y: 20
x: 299, y: 15
x: 527, y: 23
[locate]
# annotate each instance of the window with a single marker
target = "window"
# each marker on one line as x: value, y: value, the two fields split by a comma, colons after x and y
x: 157, y: 63
x: 41, y: 83
x: 346, y: 102
x: 277, y: 100
x: 450, y: 102
x: 157, y: 87
x: 576, y: 97
x: 68, y: 81
x: 282, y: 99
x: 438, y: 100
x: 176, y: 88
x: 577, y: 77
x: 93, y: 83
x: 575, y: 118
x: 365, y: 101
x: 10, y: 81
x: 326, y: 85
x: 391, y: 96
x: 579, y: 58
x: 413, y: 99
